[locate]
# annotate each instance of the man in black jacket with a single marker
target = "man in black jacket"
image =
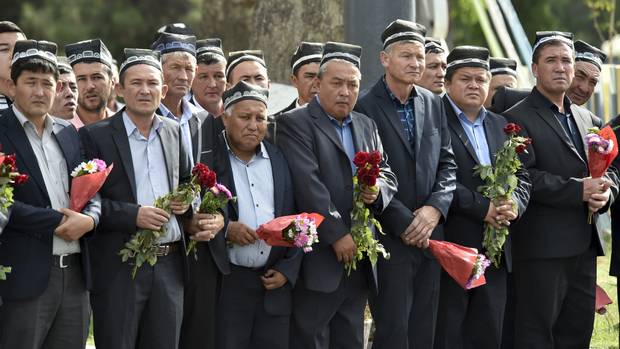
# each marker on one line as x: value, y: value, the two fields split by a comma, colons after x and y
x: 412, y: 126
x: 554, y: 243
x: 477, y: 135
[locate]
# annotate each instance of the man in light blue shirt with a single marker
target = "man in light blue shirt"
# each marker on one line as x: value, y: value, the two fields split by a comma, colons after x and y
x: 255, y: 299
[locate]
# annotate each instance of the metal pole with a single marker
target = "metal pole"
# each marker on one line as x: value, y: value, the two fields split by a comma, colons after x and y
x: 364, y: 21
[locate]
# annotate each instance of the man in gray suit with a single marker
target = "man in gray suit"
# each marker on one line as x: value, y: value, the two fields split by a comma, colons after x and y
x: 412, y: 125
x: 149, y: 161
x: 319, y: 141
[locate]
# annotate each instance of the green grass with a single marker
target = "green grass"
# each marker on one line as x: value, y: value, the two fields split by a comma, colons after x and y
x: 605, y: 335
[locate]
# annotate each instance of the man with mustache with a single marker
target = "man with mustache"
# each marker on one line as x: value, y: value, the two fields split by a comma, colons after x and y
x: 210, y: 81
x: 412, y: 125
x: 433, y: 77
x: 554, y: 244
x: 65, y: 104
x: 589, y: 61
x: 477, y: 135
x: 9, y: 34
x: 92, y: 64
x: 178, y: 59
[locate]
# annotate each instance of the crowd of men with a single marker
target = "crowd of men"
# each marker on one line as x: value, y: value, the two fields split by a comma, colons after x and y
x: 434, y: 115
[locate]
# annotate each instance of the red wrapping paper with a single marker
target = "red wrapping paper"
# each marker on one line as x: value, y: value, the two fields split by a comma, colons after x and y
x: 83, y: 188
x: 271, y: 231
x: 458, y: 261
x: 599, y: 163
x: 602, y: 299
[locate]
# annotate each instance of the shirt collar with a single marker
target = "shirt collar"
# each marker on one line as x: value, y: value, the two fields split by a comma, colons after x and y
x: 262, y: 151
x: 23, y: 120
x: 394, y: 98
x: 188, y: 111
x: 459, y: 113
x: 130, y: 127
x: 567, y: 102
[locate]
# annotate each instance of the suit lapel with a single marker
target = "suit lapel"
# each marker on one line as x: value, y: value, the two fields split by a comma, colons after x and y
x: 170, y: 145
x: 418, y: 115
x: 124, y: 151
x: 278, y: 177
x: 547, y: 115
x: 324, y: 125
x: 224, y: 171
x: 24, y: 153
x: 456, y: 126
x: 64, y: 141
x: 583, y: 121
x: 194, y: 130
x: 493, y: 135
x: 389, y: 111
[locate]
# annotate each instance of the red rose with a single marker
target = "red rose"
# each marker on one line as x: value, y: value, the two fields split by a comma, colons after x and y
x: 9, y: 160
x: 361, y: 158
x: 370, y: 180
x: 21, y: 179
x: 375, y: 157
x: 374, y: 171
x: 512, y: 129
x: 204, y: 176
x: 211, y: 179
x: 520, y: 148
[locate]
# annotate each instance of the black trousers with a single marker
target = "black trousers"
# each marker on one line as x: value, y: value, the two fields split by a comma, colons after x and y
x: 331, y: 320
x: 244, y: 322
x: 405, y: 309
x: 472, y: 319
x: 508, y: 331
x: 200, y: 303
x: 555, y: 301
x: 144, y: 313
x: 57, y: 319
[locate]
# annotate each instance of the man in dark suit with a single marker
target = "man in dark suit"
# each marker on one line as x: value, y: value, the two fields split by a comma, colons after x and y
x: 412, y: 125
x: 149, y: 161
x: 320, y: 141
x: 477, y: 135
x: 45, y: 296
x: 256, y: 296
x: 554, y: 244
x: 178, y: 60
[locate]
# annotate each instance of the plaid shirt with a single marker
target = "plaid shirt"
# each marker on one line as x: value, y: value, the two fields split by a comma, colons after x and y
x: 405, y: 112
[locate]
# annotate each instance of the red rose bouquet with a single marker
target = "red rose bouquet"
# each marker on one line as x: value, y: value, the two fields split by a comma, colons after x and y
x: 463, y: 264
x: 361, y: 218
x: 499, y: 183
x: 9, y: 177
x: 292, y: 231
x: 215, y: 199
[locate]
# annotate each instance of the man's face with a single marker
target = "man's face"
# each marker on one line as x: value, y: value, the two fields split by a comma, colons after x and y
x: 7, y: 43
x: 433, y: 78
x: 586, y: 78
x: 142, y: 89
x: 210, y: 83
x: 179, y: 71
x: 93, y: 84
x: 246, y: 126
x: 251, y: 72
x: 338, y: 88
x: 404, y: 62
x: 468, y: 88
x: 34, y: 93
x: 65, y: 102
x: 498, y: 81
x: 554, y: 69
x: 304, y: 81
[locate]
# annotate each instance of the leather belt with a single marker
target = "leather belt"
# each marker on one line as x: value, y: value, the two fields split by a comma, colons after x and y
x: 66, y: 260
x: 166, y: 249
